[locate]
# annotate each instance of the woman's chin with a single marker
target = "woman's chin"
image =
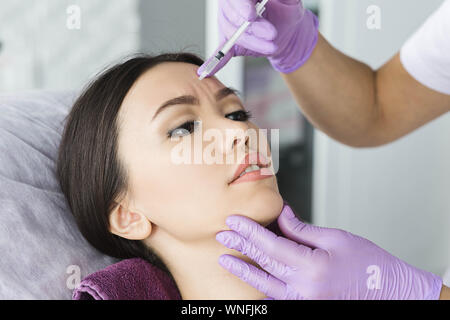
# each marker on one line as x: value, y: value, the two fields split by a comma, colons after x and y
x: 266, y: 208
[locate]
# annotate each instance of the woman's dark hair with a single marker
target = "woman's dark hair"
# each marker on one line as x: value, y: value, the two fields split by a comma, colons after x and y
x: 89, y: 171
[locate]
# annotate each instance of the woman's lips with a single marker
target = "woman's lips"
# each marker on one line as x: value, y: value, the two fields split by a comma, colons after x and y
x: 263, y: 173
x: 255, y: 158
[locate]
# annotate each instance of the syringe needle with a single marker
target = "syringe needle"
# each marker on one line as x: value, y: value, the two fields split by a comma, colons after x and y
x: 260, y: 8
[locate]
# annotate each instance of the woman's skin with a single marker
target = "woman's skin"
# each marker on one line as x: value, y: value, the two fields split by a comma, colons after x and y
x: 177, y: 210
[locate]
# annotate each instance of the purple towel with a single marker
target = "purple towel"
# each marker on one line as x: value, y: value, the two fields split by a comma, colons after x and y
x: 131, y: 279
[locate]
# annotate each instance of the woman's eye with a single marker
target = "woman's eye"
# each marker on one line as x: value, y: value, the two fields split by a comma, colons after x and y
x: 189, y: 127
x: 183, y: 130
x: 241, y: 115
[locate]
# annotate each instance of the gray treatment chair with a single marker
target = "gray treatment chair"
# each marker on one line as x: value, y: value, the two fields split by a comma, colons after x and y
x: 42, y: 253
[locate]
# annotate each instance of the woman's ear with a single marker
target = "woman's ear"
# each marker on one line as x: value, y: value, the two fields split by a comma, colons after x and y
x: 130, y: 225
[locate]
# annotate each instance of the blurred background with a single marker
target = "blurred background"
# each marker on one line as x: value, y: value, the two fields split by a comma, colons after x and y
x: 396, y: 195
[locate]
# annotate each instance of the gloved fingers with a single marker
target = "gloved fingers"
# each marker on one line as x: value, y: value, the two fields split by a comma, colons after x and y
x: 279, y: 248
x: 232, y: 240
x: 288, y: 2
x: 299, y: 231
x: 263, y: 29
x: 245, y: 9
x: 251, y: 41
x: 260, y: 28
x: 221, y: 64
x: 260, y: 280
x: 233, y: 19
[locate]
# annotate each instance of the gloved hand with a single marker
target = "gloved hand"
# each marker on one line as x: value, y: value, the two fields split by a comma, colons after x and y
x: 286, y: 33
x: 320, y: 263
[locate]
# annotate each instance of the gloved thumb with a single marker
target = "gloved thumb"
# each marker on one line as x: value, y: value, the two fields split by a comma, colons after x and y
x: 296, y: 230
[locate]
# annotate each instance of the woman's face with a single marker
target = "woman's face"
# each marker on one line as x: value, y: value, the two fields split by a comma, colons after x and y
x: 189, y: 202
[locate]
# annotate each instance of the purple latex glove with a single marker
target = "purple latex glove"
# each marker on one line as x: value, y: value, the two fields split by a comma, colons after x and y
x: 320, y: 263
x: 286, y: 33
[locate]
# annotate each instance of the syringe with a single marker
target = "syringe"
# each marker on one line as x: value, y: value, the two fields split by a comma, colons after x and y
x: 260, y: 8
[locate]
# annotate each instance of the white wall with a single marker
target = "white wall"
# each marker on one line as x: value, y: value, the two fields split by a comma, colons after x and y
x: 173, y: 25
x: 41, y: 52
x: 398, y: 195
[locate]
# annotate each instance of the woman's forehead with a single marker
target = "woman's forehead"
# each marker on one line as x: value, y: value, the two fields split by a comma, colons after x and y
x: 167, y: 81
x: 172, y: 79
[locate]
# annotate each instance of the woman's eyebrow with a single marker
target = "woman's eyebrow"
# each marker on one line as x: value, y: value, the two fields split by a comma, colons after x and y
x: 187, y: 99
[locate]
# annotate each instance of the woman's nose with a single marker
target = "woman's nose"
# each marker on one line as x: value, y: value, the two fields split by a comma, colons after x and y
x: 236, y: 139
x: 239, y: 142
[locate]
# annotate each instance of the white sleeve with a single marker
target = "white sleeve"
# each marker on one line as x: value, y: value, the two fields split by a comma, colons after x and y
x: 426, y: 55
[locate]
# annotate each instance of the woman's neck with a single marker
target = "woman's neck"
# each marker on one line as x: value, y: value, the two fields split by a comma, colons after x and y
x: 198, y: 275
